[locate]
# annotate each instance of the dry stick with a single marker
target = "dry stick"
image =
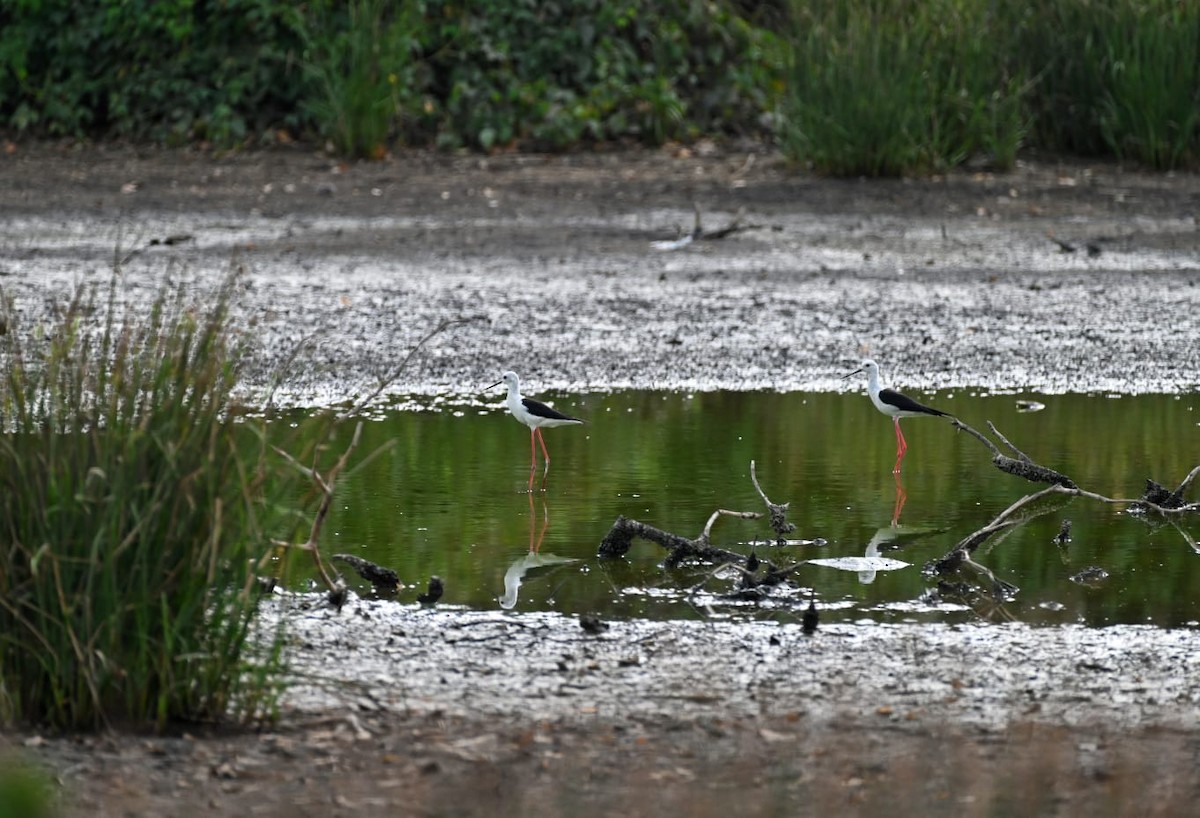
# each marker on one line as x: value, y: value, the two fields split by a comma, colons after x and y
x: 385, y: 382
x: 287, y: 364
x: 777, y: 511
x: 1022, y: 466
x: 705, y: 535
x: 619, y: 539
x: 1024, y: 457
x: 955, y: 557
x: 1187, y: 481
x: 326, y: 484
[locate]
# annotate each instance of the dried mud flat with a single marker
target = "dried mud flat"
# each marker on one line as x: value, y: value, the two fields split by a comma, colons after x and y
x: 952, y: 280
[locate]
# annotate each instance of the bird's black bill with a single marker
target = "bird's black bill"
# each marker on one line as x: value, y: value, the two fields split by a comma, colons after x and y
x: 493, y: 386
x: 852, y: 374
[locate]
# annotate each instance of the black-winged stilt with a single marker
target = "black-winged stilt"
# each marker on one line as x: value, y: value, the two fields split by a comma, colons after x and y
x: 536, y: 416
x: 895, y: 405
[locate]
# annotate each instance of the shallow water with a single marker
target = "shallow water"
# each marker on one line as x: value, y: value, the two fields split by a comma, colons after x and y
x: 449, y: 499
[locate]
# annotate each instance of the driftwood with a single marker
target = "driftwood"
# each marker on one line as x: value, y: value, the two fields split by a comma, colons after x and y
x: 756, y: 576
x: 1156, y: 499
x: 700, y: 234
x: 1022, y: 465
x: 385, y: 580
x: 619, y: 539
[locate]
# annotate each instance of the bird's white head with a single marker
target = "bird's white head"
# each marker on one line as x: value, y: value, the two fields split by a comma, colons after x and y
x: 868, y: 366
x: 509, y: 379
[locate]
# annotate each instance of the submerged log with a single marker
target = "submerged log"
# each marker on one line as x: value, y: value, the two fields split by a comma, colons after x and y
x: 619, y: 540
x: 1022, y: 465
x: 385, y: 580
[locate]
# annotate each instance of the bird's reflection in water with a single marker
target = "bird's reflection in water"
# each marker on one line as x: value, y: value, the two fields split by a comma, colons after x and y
x: 533, y: 558
x: 883, y: 535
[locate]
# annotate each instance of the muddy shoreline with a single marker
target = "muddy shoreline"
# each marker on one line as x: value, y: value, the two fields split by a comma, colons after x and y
x: 953, y: 281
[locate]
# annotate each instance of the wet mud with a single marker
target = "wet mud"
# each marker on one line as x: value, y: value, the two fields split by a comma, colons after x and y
x: 1060, y: 276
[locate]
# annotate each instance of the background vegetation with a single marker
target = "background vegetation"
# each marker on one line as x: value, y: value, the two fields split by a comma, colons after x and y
x: 847, y: 86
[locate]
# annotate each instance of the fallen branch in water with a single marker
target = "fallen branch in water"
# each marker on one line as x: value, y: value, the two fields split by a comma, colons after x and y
x: 385, y: 580
x: 619, y: 540
x: 1022, y: 465
x: 620, y: 536
x: 1156, y: 499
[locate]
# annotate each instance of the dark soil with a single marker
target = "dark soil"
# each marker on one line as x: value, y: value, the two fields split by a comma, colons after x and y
x: 952, y: 279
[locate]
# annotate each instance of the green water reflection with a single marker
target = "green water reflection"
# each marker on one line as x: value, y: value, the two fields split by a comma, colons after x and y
x: 449, y: 499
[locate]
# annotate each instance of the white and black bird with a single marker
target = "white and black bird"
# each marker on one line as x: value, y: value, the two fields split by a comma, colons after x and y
x: 895, y: 405
x: 536, y: 416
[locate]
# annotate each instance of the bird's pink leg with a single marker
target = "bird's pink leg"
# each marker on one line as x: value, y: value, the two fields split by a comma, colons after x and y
x: 532, y: 457
x: 545, y: 457
x: 545, y: 454
x: 901, y: 446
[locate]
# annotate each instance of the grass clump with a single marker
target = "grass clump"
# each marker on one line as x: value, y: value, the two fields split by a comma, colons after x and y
x: 361, y: 74
x: 1120, y: 78
x: 128, y: 517
x: 880, y: 88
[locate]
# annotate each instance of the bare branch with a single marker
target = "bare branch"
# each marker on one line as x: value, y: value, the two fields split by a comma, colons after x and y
x: 960, y: 425
x: 722, y: 512
x: 326, y: 483
x: 1187, y: 481
x: 1020, y: 454
x: 777, y: 511
x: 387, y: 380
x: 619, y: 540
x: 1022, y: 466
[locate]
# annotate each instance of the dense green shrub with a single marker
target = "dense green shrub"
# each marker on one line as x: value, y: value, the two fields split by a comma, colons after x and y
x: 554, y: 74
x: 849, y: 86
x: 129, y: 518
x: 480, y: 73
x: 167, y: 70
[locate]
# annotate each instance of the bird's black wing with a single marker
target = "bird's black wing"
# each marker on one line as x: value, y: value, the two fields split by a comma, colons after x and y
x: 906, y: 404
x: 541, y: 410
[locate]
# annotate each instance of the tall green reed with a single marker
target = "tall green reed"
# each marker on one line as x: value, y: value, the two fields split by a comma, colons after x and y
x: 363, y: 74
x: 886, y: 88
x: 130, y: 512
x: 1151, y: 109
x: 883, y: 88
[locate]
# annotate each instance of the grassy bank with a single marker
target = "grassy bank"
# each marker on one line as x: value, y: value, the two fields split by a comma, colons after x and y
x: 130, y: 518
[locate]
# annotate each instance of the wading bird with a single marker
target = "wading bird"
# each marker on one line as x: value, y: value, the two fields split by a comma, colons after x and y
x: 895, y: 405
x: 536, y: 416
